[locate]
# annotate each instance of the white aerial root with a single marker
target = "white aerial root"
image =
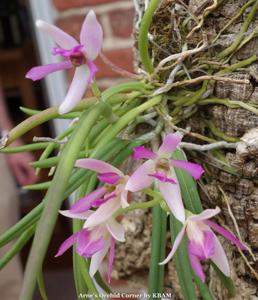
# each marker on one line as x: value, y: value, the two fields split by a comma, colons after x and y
x: 48, y: 139
x: 208, y: 147
x: 183, y: 54
x: 138, y: 13
x: 170, y: 80
x: 205, y: 13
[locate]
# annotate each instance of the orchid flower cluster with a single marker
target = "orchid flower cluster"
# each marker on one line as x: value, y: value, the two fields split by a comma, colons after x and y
x: 101, y: 229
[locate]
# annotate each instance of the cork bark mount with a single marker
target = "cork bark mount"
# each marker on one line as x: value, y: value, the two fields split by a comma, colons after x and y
x: 225, y: 34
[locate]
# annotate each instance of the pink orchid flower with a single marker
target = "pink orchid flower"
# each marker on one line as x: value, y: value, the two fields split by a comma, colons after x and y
x: 160, y: 167
x: 203, y: 243
x: 108, y: 198
x: 94, y: 242
x: 79, y: 55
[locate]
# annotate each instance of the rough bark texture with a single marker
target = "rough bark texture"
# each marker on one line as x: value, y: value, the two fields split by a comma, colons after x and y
x: 239, y: 182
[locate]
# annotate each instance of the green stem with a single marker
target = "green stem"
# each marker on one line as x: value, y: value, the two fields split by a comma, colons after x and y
x: 155, y: 282
x: 125, y: 87
x: 41, y: 118
x: 235, y: 17
x: 79, y: 282
x: 229, y: 103
x: 41, y: 285
x: 102, y: 283
x: 143, y: 41
x: 90, y: 284
x: 221, y: 134
x: 18, y: 245
x: 37, y: 186
x: 54, y: 200
x: 162, y: 255
x: 52, y: 161
x: 203, y: 288
x: 126, y: 119
x: 184, y: 271
x: 241, y: 64
x: 25, y: 148
x: 52, y: 113
x: 22, y: 225
x: 243, y: 29
x: 187, y: 101
x: 52, y: 146
x: 32, y: 112
x: 105, y: 130
x: 188, y: 186
x: 134, y: 206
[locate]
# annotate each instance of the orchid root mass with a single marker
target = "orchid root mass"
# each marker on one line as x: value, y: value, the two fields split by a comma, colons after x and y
x: 128, y: 124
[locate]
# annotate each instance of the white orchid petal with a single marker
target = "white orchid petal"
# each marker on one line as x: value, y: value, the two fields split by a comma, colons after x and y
x: 175, y: 245
x: 103, y: 213
x: 91, y: 36
x: 124, y: 197
x: 61, y: 38
x: 76, y: 90
x: 116, y: 230
x: 81, y: 216
x: 220, y: 258
x: 97, y: 259
x: 204, y: 215
x: 140, y: 179
x: 172, y: 195
x: 97, y: 165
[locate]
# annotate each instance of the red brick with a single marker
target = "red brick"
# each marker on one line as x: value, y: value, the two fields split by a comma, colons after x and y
x: 71, y: 25
x: 121, y: 22
x: 122, y: 58
x: 65, y: 4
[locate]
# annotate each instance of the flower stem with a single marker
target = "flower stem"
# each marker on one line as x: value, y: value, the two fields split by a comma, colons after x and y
x: 81, y: 266
x: 241, y: 35
x: 143, y: 42
x: 158, y: 242
x: 134, y: 206
x: 18, y: 245
x: 53, y: 201
x: 32, y: 112
x: 182, y: 262
x: 41, y: 118
x: 126, y: 119
x: 220, y: 133
x: 52, y: 146
x: 22, y: 225
x: 25, y: 148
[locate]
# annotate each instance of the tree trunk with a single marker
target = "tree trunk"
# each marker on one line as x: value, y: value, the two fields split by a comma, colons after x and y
x: 231, y: 175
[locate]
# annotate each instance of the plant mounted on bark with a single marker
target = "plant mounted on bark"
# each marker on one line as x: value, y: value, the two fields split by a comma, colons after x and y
x: 182, y: 64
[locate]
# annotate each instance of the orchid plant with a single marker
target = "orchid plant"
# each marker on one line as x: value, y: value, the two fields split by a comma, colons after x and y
x: 91, y: 163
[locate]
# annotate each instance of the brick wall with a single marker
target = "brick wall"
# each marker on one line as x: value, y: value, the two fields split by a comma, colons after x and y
x: 116, y: 17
